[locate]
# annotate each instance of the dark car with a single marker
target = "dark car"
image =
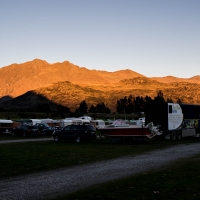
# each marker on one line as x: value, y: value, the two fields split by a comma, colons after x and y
x: 45, y: 129
x: 48, y: 130
x: 41, y: 126
x: 25, y: 130
x: 79, y: 133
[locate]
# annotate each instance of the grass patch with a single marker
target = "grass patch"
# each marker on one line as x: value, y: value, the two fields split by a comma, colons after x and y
x: 24, y: 158
x: 178, y: 181
x: 17, y: 137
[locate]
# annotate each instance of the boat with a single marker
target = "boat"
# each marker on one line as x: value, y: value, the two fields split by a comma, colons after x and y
x: 122, y: 131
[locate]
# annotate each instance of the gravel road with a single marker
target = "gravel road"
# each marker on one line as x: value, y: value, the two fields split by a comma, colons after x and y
x: 50, y: 184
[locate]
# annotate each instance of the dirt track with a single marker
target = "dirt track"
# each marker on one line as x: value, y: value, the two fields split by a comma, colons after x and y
x: 50, y: 184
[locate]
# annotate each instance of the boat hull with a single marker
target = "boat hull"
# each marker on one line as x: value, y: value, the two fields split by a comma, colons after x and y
x: 133, y: 133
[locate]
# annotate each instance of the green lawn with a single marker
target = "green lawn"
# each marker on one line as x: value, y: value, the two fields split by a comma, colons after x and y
x: 178, y: 181
x: 10, y: 137
x: 28, y: 157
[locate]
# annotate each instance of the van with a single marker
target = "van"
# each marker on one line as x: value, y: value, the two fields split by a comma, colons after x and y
x: 77, y: 121
x: 98, y: 123
x: 6, y: 126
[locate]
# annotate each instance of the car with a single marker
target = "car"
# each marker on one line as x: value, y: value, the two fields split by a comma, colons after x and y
x: 79, y: 133
x: 41, y: 127
x: 45, y: 129
x: 25, y: 130
x: 58, y: 128
x: 48, y: 130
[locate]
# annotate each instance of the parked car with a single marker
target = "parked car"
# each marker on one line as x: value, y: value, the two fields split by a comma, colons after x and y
x: 41, y: 126
x: 79, y: 133
x: 45, y: 129
x: 48, y: 130
x: 58, y: 128
x: 25, y: 130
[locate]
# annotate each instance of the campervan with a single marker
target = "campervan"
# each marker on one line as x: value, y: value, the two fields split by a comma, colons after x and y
x: 77, y: 121
x: 6, y: 125
x: 28, y: 121
x: 98, y: 123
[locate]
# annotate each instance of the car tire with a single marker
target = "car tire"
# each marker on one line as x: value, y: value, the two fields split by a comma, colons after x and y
x: 78, y: 139
x: 56, y: 139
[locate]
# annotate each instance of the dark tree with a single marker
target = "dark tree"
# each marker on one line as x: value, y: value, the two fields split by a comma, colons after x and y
x: 169, y: 100
x: 130, y: 106
x: 119, y: 108
x: 99, y: 108
x: 149, y: 109
x: 122, y: 105
x: 92, y: 109
x: 83, y: 107
x: 158, y: 106
x: 179, y: 101
x: 139, y: 104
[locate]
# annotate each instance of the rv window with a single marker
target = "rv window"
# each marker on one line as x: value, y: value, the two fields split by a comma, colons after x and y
x: 170, y: 108
x: 5, y: 125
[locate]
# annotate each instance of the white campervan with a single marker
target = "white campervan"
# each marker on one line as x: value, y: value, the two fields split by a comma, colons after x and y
x: 6, y: 125
x: 99, y: 123
x: 69, y: 121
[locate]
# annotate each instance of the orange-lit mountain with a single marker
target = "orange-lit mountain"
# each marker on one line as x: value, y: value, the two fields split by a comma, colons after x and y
x: 68, y: 84
x: 17, y: 79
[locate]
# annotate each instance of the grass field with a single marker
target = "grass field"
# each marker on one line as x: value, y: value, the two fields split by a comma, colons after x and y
x: 181, y: 179
x: 28, y: 157
x: 10, y: 137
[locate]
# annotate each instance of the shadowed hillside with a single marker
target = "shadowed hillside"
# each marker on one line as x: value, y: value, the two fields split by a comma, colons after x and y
x: 71, y: 95
x: 30, y: 101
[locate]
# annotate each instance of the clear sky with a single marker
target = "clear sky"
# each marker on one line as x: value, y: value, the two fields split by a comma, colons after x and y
x: 155, y: 38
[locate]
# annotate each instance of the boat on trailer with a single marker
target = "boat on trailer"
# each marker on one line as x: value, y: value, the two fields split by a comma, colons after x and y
x: 121, y: 131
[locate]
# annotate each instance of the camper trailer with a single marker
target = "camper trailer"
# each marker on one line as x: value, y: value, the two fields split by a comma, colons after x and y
x: 77, y: 121
x: 6, y: 126
x: 98, y: 123
x: 28, y: 121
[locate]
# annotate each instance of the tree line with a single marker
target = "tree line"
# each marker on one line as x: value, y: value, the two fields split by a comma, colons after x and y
x: 127, y: 105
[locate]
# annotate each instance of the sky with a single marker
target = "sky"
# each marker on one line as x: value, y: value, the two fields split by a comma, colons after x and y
x: 156, y: 38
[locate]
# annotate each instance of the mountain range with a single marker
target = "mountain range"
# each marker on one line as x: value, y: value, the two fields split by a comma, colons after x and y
x: 33, y: 82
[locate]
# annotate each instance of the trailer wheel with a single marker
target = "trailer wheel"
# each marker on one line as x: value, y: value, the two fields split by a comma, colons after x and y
x: 173, y: 136
x: 179, y: 135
